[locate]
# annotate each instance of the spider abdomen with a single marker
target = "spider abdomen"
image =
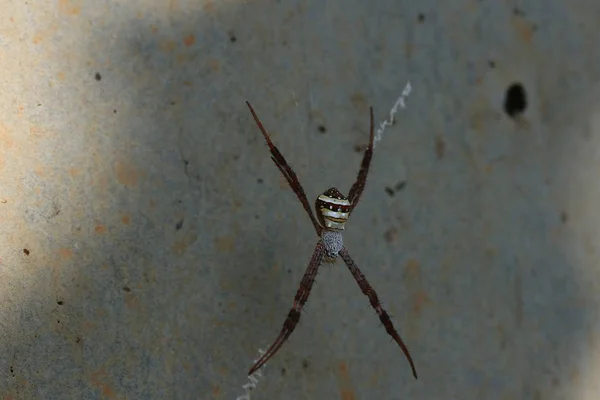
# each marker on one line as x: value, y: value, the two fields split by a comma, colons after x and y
x: 333, y: 209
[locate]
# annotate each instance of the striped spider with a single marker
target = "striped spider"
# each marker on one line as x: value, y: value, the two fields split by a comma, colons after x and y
x: 333, y: 210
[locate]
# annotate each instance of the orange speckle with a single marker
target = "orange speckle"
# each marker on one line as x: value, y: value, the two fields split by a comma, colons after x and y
x: 419, y: 300
x: 73, y: 172
x: 181, y: 245
x: 69, y: 7
x: 213, y: 64
x: 209, y: 6
x: 60, y: 76
x: 168, y: 46
x: 37, y: 38
x: 100, y: 229
x: 39, y: 170
x: 188, y: 83
x: 225, y: 243
x: 412, y: 269
x: 216, y: 390
x: 65, y: 253
x: 99, y: 379
x: 126, y: 174
x: 189, y: 40
x: 345, y: 383
x: 524, y: 29
x: 125, y: 219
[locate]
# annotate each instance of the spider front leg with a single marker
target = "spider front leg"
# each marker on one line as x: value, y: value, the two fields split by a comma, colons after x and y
x: 287, y: 171
x: 294, y: 315
x: 376, y: 304
x: 358, y: 186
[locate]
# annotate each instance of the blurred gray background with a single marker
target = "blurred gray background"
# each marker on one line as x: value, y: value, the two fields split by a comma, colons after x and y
x: 149, y: 246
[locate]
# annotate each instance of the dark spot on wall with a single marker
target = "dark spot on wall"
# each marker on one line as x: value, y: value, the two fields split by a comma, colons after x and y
x: 127, y: 289
x: 26, y: 252
x: 400, y: 185
x: 322, y: 129
x: 389, y: 191
x: 390, y: 235
x: 289, y: 270
x: 98, y: 77
x: 173, y: 102
x: 259, y: 180
x: 564, y: 217
x: 492, y: 64
x: 58, y: 321
x: 179, y: 224
x: 256, y: 216
x: 305, y: 364
x: 515, y: 100
x: 232, y: 38
x: 60, y: 302
x: 114, y: 111
x: 77, y: 339
x: 421, y: 18
x: 440, y: 147
x: 283, y: 371
x: 518, y: 12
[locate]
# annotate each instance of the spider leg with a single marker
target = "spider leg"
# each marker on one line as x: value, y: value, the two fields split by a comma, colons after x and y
x: 358, y: 186
x: 294, y: 315
x: 376, y: 304
x: 287, y: 171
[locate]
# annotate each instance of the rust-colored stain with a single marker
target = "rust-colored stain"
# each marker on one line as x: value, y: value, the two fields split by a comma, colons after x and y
x: 216, y: 391
x: 73, y: 172
x: 213, y: 64
x: 39, y: 170
x: 8, y: 397
x: 126, y: 173
x: 69, y: 7
x: 419, y: 299
x: 181, y: 245
x: 524, y: 28
x: 100, y: 229
x: 99, y: 380
x: 65, y: 254
x: 168, y: 46
x: 125, y: 219
x: 345, y: 383
x: 189, y: 40
x: 225, y: 243
x: 440, y: 147
x: 209, y: 6
x: 153, y: 28
x: 412, y: 269
x: 60, y: 76
x: 358, y: 100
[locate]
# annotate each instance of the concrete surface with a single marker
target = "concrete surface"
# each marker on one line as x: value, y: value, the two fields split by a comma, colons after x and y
x: 149, y: 247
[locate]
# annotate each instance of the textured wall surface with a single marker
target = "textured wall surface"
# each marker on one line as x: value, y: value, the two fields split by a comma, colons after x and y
x: 149, y: 247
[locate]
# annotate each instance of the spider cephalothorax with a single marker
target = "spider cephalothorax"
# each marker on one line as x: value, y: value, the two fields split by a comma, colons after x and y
x: 333, y: 210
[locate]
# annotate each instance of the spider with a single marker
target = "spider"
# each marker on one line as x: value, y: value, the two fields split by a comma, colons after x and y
x: 333, y: 210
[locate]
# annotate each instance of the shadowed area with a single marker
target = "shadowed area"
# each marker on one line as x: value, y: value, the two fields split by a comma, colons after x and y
x: 150, y: 246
